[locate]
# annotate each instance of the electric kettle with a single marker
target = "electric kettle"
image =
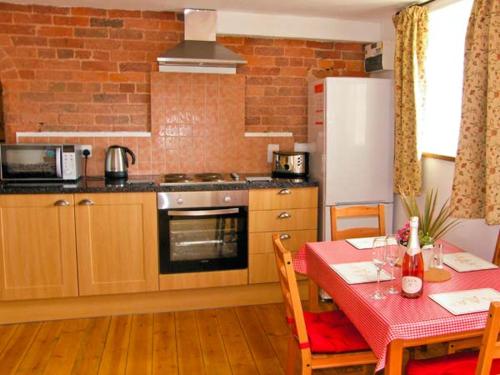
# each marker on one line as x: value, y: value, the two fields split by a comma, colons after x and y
x: 116, y: 163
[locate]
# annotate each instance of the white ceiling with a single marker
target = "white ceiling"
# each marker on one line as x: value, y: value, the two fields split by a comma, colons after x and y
x: 344, y: 9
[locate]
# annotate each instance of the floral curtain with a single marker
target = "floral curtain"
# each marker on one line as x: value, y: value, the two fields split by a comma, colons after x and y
x: 476, y: 185
x: 409, y: 86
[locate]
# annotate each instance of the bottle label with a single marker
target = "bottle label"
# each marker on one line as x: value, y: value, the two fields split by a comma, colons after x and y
x: 411, y: 284
x: 411, y: 251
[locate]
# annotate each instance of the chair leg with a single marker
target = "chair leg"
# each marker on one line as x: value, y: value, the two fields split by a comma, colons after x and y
x: 313, y: 296
x: 291, y: 359
x: 306, y: 369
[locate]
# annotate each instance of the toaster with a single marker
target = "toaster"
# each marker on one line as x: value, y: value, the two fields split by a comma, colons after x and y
x: 290, y: 164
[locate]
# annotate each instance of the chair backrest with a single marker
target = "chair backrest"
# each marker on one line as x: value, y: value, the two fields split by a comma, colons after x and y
x: 357, y: 211
x: 290, y: 291
x: 490, y: 346
x: 496, y: 256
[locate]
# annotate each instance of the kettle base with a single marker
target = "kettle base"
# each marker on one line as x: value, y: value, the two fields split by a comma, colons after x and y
x: 116, y: 175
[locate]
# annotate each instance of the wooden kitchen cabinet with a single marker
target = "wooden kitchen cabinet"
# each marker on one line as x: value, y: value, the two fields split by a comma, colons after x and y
x: 117, y: 242
x: 37, y: 246
x: 290, y: 212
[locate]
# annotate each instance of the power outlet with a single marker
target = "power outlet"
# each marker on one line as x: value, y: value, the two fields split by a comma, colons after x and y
x: 86, y: 147
x: 270, y: 148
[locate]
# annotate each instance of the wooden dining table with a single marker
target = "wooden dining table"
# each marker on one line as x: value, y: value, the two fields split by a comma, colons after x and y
x: 394, y: 323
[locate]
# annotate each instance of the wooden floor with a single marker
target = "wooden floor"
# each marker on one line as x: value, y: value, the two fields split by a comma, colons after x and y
x: 240, y: 340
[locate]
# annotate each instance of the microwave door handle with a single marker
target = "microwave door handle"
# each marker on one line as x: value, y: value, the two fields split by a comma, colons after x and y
x: 204, y: 212
x: 59, y: 162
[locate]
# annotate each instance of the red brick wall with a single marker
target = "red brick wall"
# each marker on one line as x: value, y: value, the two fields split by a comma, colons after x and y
x: 276, y: 94
x: 90, y: 69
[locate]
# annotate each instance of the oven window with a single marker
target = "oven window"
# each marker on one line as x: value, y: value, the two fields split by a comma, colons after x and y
x: 30, y: 162
x: 207, y: 238
x: 203, y: 240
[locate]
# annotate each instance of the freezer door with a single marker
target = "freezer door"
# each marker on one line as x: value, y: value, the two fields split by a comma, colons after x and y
x: 359, y: 140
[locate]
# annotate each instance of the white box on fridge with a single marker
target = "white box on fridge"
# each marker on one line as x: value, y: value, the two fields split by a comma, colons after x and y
x: 350, y: 136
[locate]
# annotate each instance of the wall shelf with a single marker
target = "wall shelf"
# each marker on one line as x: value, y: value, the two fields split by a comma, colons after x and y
x: 76, y: 134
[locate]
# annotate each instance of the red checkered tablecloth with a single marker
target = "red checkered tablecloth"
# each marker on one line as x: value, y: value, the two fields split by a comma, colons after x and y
x: 381, y: 322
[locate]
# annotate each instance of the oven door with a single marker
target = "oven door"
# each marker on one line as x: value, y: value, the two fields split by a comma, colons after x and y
x: 197, y: 240
x: 31, y: 162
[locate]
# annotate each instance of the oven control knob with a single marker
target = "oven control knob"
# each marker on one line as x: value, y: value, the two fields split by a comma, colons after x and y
x: 180, y: 201
x: 227, y: 199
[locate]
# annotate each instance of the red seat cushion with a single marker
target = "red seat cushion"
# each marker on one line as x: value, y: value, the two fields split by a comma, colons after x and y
x: 453, y: 364
x: 333, y: 332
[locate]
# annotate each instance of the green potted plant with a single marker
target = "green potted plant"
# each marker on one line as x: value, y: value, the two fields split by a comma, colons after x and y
x: 433, y: 224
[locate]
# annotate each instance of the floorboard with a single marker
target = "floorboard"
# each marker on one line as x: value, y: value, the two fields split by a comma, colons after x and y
x: 212, y: 346
x: 37, y: 357
x: 248, y: 340
x: 17, y: 346
x: 164, y: 345
x: 189, y: 352
x: 114, y: 356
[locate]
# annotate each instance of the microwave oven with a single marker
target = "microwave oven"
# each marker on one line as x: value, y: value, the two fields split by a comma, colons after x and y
x: 40, y: 162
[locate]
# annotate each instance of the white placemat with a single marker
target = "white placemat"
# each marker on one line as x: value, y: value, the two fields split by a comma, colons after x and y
x: 466, y: 262
x: 359, y: 272
x: 366, y: 242
x: 466, y: 301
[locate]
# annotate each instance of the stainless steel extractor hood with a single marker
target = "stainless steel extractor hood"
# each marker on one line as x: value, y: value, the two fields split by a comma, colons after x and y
x: 199, y: 52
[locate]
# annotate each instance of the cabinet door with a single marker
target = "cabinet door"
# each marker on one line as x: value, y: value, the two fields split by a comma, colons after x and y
x: 117, y: 242
x: 262, y: 265
x: 37, y: 247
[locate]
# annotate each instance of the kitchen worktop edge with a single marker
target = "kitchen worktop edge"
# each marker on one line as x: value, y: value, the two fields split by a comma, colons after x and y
x: 143, y: 184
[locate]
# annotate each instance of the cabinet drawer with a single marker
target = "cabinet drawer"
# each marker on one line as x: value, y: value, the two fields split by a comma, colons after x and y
x: 273, y: 199
x: 260, y: 243
x: 282, y: 220
x: 262, y: 269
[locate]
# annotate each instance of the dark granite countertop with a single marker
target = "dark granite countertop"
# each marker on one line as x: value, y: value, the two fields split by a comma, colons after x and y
x: 140, y: 184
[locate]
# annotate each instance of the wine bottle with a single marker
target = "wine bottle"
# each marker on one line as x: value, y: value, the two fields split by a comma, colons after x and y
x: 412, y: 280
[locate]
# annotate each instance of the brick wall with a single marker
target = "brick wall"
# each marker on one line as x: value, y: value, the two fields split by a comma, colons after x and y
x: 276, y: 94
x: 90, y: 69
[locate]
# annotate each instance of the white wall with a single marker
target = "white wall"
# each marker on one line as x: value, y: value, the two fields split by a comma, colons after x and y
x: 475, y: 235
x: 286, y: 26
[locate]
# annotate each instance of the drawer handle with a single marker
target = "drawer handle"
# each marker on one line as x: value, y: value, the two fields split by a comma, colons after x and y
x: 285, y: 236
x: 86, y: 202
x: 61, y: 203
x: 284, y: 215
x: 284, y: 192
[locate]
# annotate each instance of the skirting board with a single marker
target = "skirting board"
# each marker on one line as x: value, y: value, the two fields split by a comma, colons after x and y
x: 141, y: 303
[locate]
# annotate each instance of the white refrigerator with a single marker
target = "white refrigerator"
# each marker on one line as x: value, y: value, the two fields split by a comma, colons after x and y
x: 350, y: 137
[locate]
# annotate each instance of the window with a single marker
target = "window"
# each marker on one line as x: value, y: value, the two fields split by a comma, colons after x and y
x: 444, y: 70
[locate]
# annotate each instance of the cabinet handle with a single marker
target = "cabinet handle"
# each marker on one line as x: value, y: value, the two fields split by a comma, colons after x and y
x: 284, y: 215
x: 86, y: 202
x: 284, y: 192
x: 61, y: 203
x: 285, y: 236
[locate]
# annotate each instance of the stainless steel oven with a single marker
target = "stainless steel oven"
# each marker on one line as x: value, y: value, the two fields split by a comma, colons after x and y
x: 203, y: 230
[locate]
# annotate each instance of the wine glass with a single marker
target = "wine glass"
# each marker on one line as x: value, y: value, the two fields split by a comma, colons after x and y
x: 392, y: 256
x: 379, y: 259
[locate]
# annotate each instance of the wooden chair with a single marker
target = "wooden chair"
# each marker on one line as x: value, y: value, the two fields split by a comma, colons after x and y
x: 357, y: 211
x: 472, y: 343
x: 316, y: 332
x: 349, y: 212
x: 488, y: 361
